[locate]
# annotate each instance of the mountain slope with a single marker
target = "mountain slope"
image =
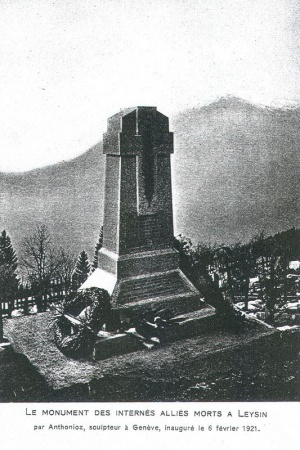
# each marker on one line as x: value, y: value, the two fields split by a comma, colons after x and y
x: 67, y: 197
x: 235, y: 173
x: 236, y: 170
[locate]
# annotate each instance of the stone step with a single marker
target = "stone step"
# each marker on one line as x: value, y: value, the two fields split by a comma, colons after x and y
x: 144, y: 288
x: 193, y: 324
x: 174, y: 304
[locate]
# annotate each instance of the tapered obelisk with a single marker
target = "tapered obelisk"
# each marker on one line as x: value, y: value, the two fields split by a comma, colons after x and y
x: 138, y: 264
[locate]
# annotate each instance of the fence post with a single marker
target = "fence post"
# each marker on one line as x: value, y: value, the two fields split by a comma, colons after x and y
x: 10, y: 307
x: 1, y: 322
x: 45, y: 302
x: 25, y: 306
x: 38, y: 301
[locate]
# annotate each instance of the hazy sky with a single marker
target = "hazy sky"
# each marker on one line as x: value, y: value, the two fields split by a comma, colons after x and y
x: 66, y: 66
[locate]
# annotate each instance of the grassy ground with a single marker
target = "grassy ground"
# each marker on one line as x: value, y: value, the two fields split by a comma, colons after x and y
x: 214, y: 367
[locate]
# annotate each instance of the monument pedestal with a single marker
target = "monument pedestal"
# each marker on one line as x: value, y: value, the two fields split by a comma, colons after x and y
x: 148, y: 279
x: 170, y: 290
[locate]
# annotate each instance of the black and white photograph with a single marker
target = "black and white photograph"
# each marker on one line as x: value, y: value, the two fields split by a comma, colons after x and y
x: 149, y: 219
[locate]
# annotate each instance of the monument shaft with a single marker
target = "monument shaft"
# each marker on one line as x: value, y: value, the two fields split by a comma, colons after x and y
x: 138, y: 253
x: 138, y: 216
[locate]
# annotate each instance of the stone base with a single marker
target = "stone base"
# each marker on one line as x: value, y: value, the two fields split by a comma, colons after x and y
x: 193, y: 324
x: 124, y: 378
x: 138, y: 263
x: 135, y: 295
x: 170, y: 290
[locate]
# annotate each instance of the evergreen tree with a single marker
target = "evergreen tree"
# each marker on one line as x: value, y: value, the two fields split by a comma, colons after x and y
x: 82, y: 268
x: 7, y: 253
x: 98, y: 247
x: 8, y: 267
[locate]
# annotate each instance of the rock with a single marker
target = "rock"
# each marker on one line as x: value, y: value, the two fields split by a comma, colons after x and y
x: 16, y: 313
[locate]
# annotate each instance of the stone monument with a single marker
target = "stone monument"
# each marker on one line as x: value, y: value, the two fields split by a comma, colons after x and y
x: 138, y: 264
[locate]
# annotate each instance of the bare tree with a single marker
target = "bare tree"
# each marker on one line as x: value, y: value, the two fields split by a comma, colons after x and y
x: 66, y: 266
x: 38, y: 255
x: 43, y: 262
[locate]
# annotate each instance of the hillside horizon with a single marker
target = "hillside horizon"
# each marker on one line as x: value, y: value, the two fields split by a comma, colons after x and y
x: 222, y: 102
x: 234, y: 174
